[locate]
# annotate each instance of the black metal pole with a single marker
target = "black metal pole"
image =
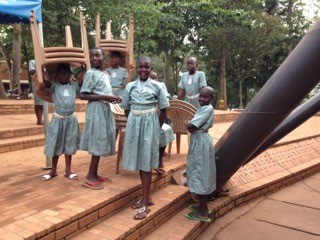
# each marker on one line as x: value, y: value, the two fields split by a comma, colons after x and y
x: 283, y: 92
x: 294, y: 120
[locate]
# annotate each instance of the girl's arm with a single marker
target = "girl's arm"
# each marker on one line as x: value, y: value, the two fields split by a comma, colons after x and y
x: 93, y: 97
x: 126, y: 112
x: 81, y: 75
x: 162, y: 116
x: 46, y: 79
x: 191, y: 128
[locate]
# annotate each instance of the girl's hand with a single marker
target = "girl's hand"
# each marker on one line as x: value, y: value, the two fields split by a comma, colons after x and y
x: 132, y: 66
x: 45, y: 74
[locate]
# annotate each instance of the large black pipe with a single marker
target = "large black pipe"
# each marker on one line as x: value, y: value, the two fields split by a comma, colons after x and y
x: 283, y: 92
x: 294, y: 120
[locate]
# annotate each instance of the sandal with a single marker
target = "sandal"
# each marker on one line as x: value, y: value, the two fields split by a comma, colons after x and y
x: 138, y: 204
x: 104, y: 179
x: 196, y: 207
x: 195, y: 216
x: 142, y: 213
x: 92, y: 185
x: 72, y: 176
x: 47, y: 177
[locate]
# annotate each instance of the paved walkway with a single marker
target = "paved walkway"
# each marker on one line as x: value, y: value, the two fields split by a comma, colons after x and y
x: 291, y: 213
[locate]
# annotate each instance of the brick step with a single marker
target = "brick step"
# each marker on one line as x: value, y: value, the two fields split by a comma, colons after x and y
x: 13, y: 144
x: 27, y: 106
x: 20, y: 125
x: 27, y: 131
x: 168, y: 201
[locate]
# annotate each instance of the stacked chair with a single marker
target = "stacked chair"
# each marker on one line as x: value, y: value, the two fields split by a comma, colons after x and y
x: 126, y: 48
x: 52, y: 56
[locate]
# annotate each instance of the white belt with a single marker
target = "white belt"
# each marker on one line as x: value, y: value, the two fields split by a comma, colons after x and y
x: 56, y: 115
x: 141, y: 112
x: 192, y: 96
x: 115, y: 88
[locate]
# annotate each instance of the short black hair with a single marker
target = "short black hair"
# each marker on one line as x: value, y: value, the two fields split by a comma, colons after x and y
x: 145, y: 58
x: 116, y: 54
x: 63, y: 66
x: 98, y: 48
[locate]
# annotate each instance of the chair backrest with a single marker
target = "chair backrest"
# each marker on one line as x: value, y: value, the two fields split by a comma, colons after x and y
x: 119, y: 116
x: 52, y: 56
x: 180, y: 113
x: 108, y: 44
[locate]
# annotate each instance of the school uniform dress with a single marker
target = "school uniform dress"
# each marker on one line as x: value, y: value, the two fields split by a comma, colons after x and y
x: 118, y: 77
x: 191, y: 85
x: 166, y: 134
x: 98, y: 137
x: 141, y: 144
x: 63, y: 134
x: 201, y: 166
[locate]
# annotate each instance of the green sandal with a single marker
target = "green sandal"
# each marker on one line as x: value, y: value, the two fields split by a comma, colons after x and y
x: 195, y: 208
x: 194, y: 216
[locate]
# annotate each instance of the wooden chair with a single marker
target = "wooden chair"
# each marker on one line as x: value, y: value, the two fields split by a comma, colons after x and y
x: 180, y: 112
x: 121, y: 122
x: 52, y: 56
x: 108, y: 44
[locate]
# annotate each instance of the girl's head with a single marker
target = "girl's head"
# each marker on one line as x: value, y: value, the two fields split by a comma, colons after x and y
x: 63, y: 73
x: 97, y: 58
x: 144, y: 68
x: 206, y: 95
x: 192, y: 64
x: 154, y: 76
x: 115, y: 59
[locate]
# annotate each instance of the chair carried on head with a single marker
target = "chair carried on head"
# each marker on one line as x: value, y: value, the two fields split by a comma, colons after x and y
x: 180, y: 112
x: 125, y: 47
x: 52, y: 56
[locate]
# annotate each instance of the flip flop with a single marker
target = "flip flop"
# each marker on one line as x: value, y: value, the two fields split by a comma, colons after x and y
x: 161, y: 171
x: 194, y: 216
x: 72, y: 176
x: 138, y: 204
x: 104, y: 179
x: 92, y: 185
x: 195, y: 208
x: 47, y: 177
x: 142, y: 211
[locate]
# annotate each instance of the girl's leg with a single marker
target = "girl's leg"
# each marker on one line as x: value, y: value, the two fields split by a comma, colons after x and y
x: 146, y: 183
x: 68, y: 164
x: 203, y: 210
x: 53, y: 172
x: 38, y: 110
x: 161, y: 152
x: 92, y: 175
x: 68, y: 173
x: 54, y: 164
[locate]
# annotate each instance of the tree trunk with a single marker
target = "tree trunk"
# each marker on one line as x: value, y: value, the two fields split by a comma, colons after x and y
x: 290, y: 25
x: 240, y: 94
x: 7, y: 62
x: 2, y: 91
x: 16, y: 63
x: 222, y: 72
x: 166, y: 67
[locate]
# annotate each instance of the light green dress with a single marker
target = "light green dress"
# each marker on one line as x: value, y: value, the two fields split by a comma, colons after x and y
x: 63, y: 133
x: 141, y: 144
x: 166, y: 134
x: 37, y: 100
x: 201, y: 165
x: 98, y: 137
x: 118, y: 77
x: 191, y: 85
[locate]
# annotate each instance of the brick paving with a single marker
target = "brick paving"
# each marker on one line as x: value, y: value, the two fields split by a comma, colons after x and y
x: 57, y: 209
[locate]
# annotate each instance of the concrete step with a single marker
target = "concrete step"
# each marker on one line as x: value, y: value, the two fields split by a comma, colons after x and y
x: 168, y: 201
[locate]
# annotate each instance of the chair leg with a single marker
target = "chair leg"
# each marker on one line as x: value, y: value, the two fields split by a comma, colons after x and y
x: 120, y: 148
x: 169, y: 149
x: 178, y: 139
